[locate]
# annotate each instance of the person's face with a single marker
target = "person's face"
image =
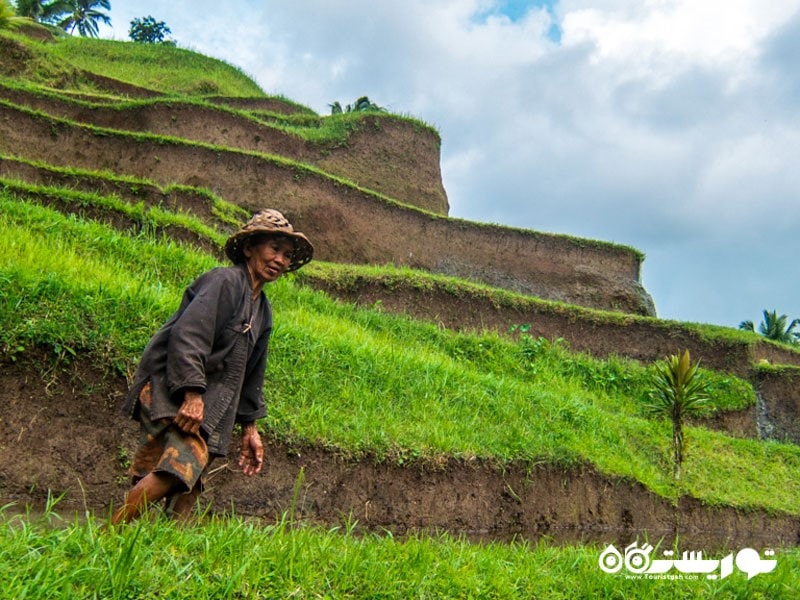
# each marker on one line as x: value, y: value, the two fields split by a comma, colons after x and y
x: 268, y: 259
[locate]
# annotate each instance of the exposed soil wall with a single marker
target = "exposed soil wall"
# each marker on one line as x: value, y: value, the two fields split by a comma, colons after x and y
x: 174, y: 200
x: 60, y: 432
x: 460, y: 308
x: 780, y: 391
x: 383, y: 154
x: 346, y: 224
x: 464, y: 309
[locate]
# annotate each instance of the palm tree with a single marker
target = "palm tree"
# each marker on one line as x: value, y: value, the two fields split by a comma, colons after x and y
x: 29, y: 8
x: 361, y: 105
x: 775, y: 327
x: 679, y: 392
x: 10, y: 18
x: 41, y: 11
x: 82, y: 15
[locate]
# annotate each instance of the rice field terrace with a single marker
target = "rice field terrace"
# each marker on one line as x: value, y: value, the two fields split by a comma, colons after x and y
x: 429, y: 434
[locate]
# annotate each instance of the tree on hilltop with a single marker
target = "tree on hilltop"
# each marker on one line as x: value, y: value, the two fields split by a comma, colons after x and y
x: 82, y: 15
x: 26, y: 8
x: 29, y: 8
x: 774, y: 327
x: 149, y: 31
x: 361, y: 105
x: 37, y: 10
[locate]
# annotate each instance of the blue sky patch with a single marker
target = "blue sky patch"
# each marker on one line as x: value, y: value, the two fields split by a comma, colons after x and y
x: 516, y: 9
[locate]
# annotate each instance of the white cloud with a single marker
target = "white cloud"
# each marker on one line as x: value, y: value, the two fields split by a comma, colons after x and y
x: 654, y: 40
x: 755, y: 173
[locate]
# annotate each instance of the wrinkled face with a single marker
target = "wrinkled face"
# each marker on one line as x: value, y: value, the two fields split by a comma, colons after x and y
x: 268, y: 259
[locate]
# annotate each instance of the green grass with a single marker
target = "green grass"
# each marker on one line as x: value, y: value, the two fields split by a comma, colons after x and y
x: 158, y: 67
x: 334, y: 130
x: 153, y: 218
x: 51, y: 557
x: 162, y: 68
x: 34, y: 298
x: 226, y: 212
x: 337, y: 370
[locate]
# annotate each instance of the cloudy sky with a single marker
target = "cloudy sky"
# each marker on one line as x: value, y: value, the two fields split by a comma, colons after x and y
x: 666, y: 125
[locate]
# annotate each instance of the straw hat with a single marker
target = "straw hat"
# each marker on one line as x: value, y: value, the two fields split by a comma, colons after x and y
x: 270, y: 221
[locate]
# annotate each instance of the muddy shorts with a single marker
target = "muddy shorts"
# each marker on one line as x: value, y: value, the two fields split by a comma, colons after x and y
x: 165, y: 448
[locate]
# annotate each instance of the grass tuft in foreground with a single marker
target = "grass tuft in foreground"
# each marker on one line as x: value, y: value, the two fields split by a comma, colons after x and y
x: 52, y: 557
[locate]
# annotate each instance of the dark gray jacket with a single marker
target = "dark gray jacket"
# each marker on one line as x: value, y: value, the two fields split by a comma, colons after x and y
x: 217, y: 343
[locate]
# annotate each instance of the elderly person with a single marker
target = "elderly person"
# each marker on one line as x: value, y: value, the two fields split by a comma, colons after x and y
x: 203, y: 371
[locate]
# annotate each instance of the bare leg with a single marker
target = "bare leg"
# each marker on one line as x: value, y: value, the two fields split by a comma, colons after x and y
x: 181, y: 505
x: 150, y: 489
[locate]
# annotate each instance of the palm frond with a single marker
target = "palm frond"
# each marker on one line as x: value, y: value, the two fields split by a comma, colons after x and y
x: 747, y: 326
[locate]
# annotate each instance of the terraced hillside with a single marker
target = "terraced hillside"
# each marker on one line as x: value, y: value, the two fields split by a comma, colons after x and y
x: 368, y: 187
x: 100, y: 176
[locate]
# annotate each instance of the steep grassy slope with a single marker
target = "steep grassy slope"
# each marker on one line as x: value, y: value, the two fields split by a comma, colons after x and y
x: 71, y: 62
x: 337, y: 371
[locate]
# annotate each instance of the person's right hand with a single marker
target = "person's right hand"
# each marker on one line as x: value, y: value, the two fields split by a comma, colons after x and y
x: 190, y: 414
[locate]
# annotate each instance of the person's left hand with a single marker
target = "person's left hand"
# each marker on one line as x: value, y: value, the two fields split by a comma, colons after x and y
x: 252, y: 455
